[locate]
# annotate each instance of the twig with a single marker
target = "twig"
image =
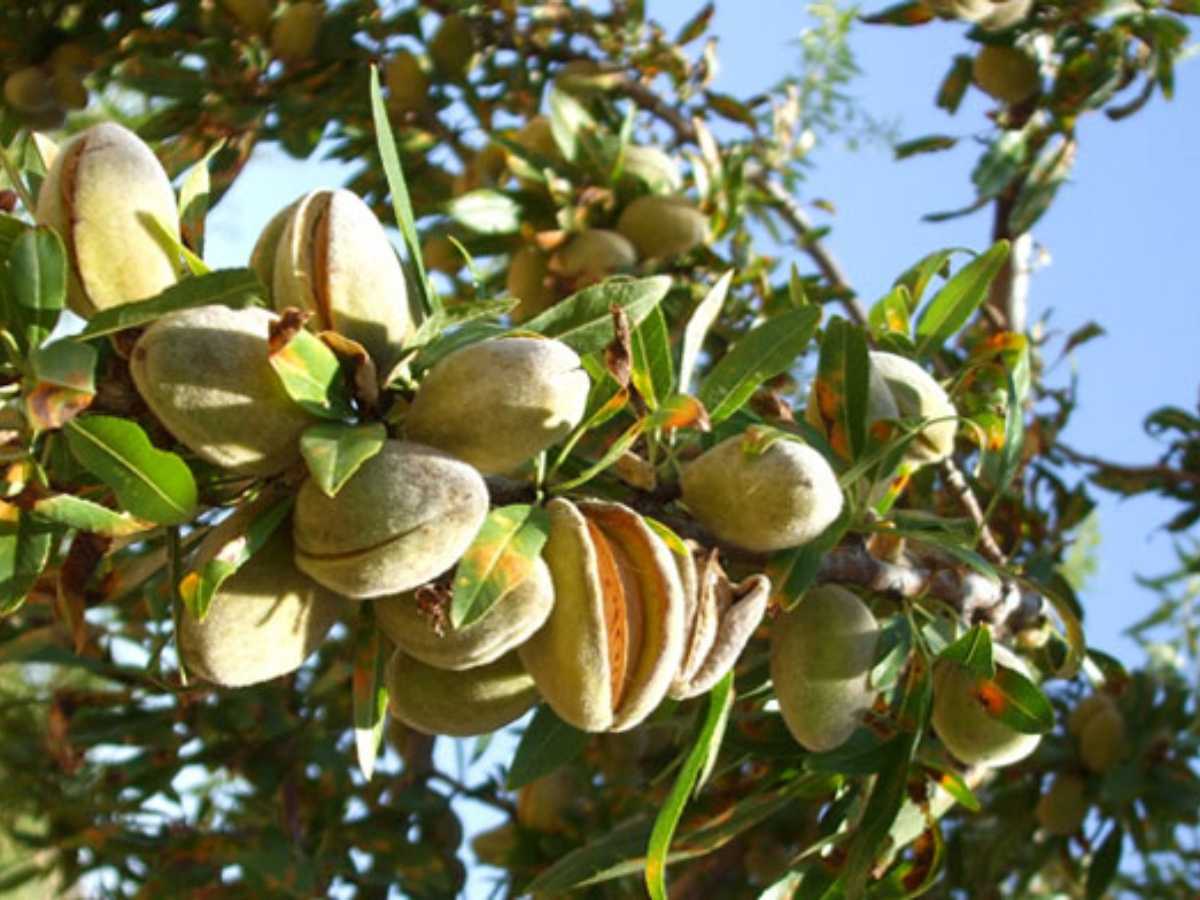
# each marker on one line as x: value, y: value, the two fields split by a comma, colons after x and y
x: 957, y: 482
x: 1161, y: 472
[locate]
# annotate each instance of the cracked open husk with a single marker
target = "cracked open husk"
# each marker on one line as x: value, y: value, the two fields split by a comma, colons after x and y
x: 720, y: 619
x: 99, y: 195
x: 334, y: 260
x: 614, y: 640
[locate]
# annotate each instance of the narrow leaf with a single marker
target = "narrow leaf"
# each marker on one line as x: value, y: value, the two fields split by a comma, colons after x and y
x: 973, y: 651
x: 197, y: 587
x: 84, y: 515
x: 312, y: 376
x: 766, y: 351
x: 35, y: 285
x: 398, y: 187
x: 235, y: 288
x: 653, y: 371
x: 955, y: 303
x: 1105, y: 864
x: 842, y: 385
x: 502, y: 555
x: 486, y: 211
x: 583, y: 320
x: 335, y: 451
x: 794, y: 571
x: 705, y: 748
x: 701, y: 321
x: 24, y: 550
x: 149, y: 483
x: 369, y: 690
x: 547, y: 743
x: 1016, y: 701
x: 194, y: 197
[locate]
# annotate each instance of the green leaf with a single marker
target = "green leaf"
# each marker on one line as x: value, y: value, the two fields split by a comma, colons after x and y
x: 610, y: 456
x: 435, y: 326
x: 502, y: 555
x: 957, y: 301
x: 841, y: 386
x: 794, y: 571
x: 1016, y: 701
x: 66, y: 363
x: 568, y: 120
x: 194, y: 199
x: 583, y: 321
x: 1049, y: 171
x: 699, y: 323
x: 25, y: 546
x: 235, y: 288
x: 149, y: 483
x: 398, y: 187
x: 920, y: 275
x: 1105, y: 864
x: 35, y: 285
x: 863, y: 753
x: 766, y: 351
x: 955, y: 83
x: 653, y: 372
x: 197, y: 587
x: 369, y: 690
x: 1003, y: 161
x: 706, y: 747
x: 973, y: 651
x: 547, y: 743
x: 930, y: 143
x: 84, y: 515
x: 890, y: 314
x: 486, y: 211
x: 312, y: 376
x: 334, y: 451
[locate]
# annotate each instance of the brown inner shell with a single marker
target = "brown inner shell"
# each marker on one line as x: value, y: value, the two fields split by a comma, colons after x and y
x: 616, y: 614
x: 321, y: 287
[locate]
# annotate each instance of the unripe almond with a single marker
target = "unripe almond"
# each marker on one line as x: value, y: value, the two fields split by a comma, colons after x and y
x: 104, y: 184
x: 29, y: 90
x: 654, y: 168
x: 529, y: 281
x: 264, y: 620
x: 460, y: 704
x: 783, y: 496
x: 594, y: 254
x: 1090, y: 706
x: 294, y: 34
x: 440, y: 254
x: 606, y: 657
x: 427, y: 635
x: 407, y: 84
x: 206, y: 374
x: 402, y: 519
x: 266, y: 248
x: 918, y: 396
x: 335, y: 260
x: 253, y: 15
x: 962, y: 722
x: 663, y: 226
x: 69, y: 90
x: 821, y: 657
x: 452, y: 46
x: 1006, y: 73
x: 1102, y: 743
x: 1061, y: 810
x: 498, y: 403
